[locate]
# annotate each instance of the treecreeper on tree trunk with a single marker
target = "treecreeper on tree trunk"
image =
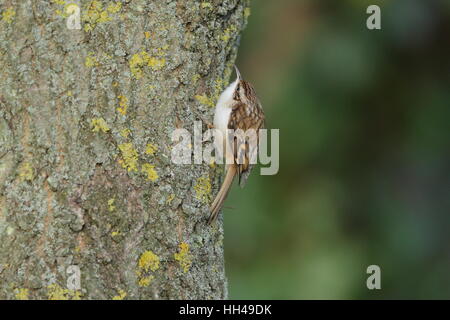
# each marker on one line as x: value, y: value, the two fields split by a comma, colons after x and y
x: 238, y: 108
x: 91, y: 205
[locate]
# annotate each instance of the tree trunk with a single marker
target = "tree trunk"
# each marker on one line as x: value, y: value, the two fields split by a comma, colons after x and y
x: 86, y: 178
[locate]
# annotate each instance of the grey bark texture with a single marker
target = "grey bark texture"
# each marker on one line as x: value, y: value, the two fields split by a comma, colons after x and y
x: 86, y: 178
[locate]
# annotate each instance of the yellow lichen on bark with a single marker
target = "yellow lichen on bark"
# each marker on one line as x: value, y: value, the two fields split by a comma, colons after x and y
x: 151, y: 149
x: 91, y: 60
x: 129, y: 159
x: 204, y: 99
x: 22, y: 294
x: 125, y: 132
x: 8, y: 15
x: 184, y: 257
x: 148, y: 261
x: 55, y: 292
x: 95, y: 14
x: 139, y: 60
x: 121, y: 295
x: 202, y: 189
x: 150, y: 171
x: 145, y: 281
x: 226, y: 36
x: 123, y: 105
x: 111, y: 206
x: 99, y: 124
x: 26, y: 172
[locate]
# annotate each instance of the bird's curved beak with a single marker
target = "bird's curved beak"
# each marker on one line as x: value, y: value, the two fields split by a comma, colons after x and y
x: 238, y: 73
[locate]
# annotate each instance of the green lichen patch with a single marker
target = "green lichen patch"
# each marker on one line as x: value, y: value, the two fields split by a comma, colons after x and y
x: 195, y: 78
x: 206, y: 5
x: 247, y: 12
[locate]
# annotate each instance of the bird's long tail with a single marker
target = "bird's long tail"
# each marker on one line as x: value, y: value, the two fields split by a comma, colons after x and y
x: 223, y: 192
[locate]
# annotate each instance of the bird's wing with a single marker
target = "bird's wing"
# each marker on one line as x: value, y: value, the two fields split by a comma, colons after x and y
x: 249, y: 118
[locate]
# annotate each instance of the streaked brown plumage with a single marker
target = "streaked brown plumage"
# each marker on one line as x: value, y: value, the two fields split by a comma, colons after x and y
x: 246, y: 113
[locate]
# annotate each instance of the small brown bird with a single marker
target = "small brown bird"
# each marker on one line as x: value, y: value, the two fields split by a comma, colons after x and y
x: 238, y: 107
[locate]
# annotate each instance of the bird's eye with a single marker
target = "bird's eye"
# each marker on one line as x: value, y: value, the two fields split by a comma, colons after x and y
x: 236, y: 93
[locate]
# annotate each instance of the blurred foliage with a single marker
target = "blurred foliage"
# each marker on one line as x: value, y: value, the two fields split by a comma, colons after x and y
x: 364, y: 153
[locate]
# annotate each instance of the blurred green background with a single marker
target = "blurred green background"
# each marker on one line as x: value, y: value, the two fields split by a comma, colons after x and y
x: 364, y: 153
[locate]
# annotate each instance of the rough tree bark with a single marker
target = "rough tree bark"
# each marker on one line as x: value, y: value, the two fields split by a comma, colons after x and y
x: 86, y: 178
